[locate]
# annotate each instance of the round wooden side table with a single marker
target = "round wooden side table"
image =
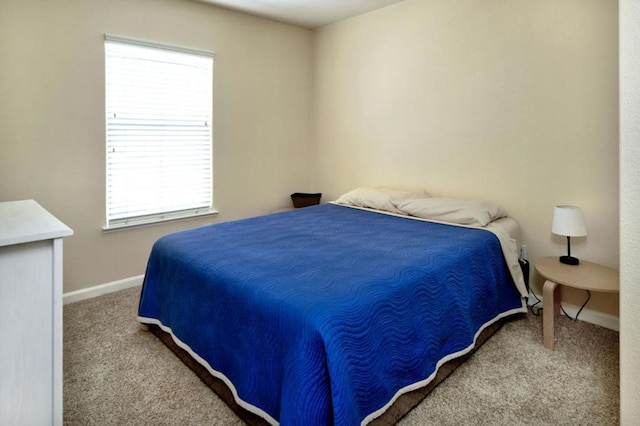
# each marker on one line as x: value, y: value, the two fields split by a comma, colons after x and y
x: 586, y: 276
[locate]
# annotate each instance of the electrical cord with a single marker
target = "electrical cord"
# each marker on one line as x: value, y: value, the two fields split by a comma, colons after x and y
x: 579, y: 310
x: 535, y: 312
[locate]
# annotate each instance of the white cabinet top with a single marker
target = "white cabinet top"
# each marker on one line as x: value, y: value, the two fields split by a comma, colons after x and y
x: 27, y: 221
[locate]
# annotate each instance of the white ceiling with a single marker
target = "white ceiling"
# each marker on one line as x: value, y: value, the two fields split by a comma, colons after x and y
x: 304, y: 13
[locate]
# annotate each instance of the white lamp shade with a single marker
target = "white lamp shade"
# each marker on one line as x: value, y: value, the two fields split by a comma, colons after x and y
x: 568, y: 221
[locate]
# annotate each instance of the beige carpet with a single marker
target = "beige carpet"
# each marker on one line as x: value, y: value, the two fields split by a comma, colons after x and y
x: 117, y: 374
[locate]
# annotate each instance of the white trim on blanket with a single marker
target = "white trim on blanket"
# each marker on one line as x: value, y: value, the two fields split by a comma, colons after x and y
x: 425, y: 382
x: 249, y: 407
x: 417, y: 385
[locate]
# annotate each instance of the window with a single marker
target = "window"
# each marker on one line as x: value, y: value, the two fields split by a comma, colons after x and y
x: 158, y: 121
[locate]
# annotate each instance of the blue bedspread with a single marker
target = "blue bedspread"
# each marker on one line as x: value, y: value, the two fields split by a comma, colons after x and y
x: 321, y: 315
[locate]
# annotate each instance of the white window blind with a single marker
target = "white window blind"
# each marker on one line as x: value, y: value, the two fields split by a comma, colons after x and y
x: 159, y: 153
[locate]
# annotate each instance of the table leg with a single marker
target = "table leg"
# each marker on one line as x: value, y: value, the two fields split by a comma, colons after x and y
x: 550, y: 308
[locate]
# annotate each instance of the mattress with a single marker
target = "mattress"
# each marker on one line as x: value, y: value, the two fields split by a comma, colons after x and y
x: 327, y: 314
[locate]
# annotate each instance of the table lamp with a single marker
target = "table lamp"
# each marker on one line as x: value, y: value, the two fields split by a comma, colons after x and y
x: 568, y: 221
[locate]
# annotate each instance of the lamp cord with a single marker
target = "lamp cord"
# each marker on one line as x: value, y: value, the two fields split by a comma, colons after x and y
x: 579, y: 310
x: 537, y: 310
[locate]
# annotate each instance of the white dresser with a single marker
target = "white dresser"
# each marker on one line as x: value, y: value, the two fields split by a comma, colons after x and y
x: 30, y: 314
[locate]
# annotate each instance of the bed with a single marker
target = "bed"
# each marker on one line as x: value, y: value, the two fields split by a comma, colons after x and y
x: 329, y: 314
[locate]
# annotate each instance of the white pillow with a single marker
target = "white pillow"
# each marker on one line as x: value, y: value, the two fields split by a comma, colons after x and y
x: 463, y: 212
x: 379, y: 198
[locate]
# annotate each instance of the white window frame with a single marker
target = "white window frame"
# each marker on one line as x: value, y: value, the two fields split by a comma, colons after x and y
x: 189, y: 191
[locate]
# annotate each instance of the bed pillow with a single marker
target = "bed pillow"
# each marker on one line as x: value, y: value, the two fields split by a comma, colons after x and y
x: 379, y: 198
x: 463, y: 212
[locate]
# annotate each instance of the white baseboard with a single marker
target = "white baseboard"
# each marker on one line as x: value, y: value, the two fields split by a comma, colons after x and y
x: 587, y: 315
x: 594, y: 317
x: 99, y: 290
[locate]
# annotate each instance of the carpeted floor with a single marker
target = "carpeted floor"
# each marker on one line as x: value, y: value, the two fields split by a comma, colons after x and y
x: 117, y: 374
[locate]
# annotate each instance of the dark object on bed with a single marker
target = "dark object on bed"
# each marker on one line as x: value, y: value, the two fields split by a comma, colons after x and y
x: 399, y: 409
x: 302, y: 199
x: 327, y: 315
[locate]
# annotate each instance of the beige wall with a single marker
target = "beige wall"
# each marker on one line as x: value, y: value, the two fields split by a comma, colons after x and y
x: 52, y: 134
x: 511, y: 102
x: 514, y: 102
x: 629, y: 212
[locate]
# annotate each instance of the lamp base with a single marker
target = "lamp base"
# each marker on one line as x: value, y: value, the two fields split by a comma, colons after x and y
x: 569, y: 260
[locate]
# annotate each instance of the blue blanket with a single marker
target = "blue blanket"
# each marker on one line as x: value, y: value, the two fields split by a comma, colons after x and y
x: 322, y: 315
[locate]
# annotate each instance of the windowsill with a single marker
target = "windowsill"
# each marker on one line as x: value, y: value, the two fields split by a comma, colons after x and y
x: 157, y: 221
